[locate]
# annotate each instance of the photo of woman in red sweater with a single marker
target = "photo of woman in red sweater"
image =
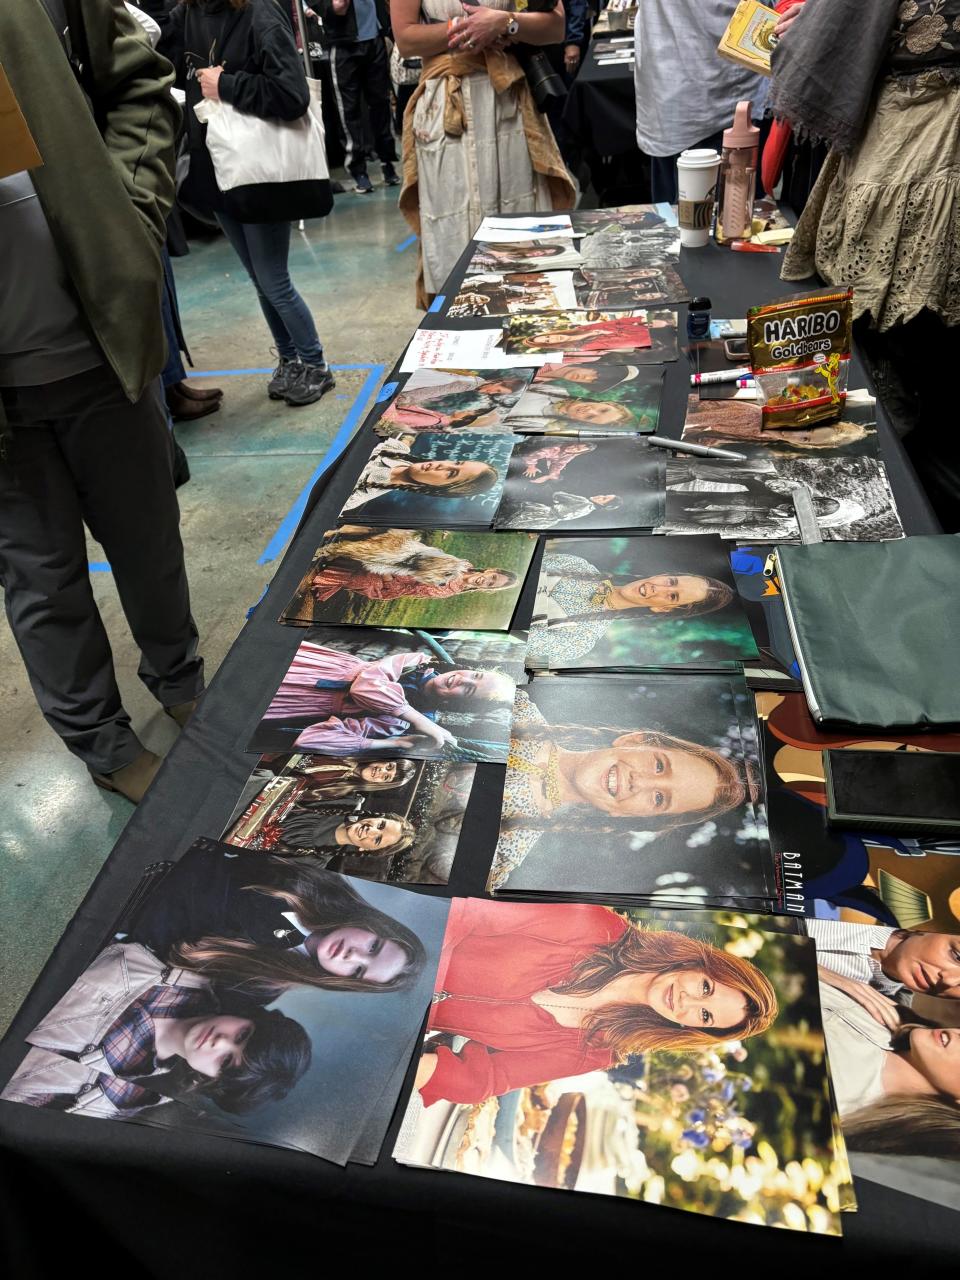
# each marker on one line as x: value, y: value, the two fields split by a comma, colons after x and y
x: 544, y: 991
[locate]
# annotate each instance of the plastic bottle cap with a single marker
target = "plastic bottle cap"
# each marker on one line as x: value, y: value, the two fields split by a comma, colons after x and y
x: 741, y: 133
x: 699, y: 158
x: 699, y: 304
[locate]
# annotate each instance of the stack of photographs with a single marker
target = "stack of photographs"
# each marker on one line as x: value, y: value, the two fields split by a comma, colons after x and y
x: 752, y: 500
x: 635, y: 336
x: 737, y: 424
x: 611, y: 289
x: 610, y: 239
x: 643, y: 788
x: 493, y: 294
x: 287, y: 1018
x: 454, y: 400
x: 553, y: 226
x: 374, y: 577
x: 589, y: 400
x: 637, y: 604
x: 391, y: 820
x: 579, y: 484
x: 529, y: 253
x: 835, y: 874
x: 675, y: 1060
x: 432, y: 480
x: 349, y: 691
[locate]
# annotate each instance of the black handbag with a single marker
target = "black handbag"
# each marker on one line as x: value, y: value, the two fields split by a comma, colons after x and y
x: 545, y: 83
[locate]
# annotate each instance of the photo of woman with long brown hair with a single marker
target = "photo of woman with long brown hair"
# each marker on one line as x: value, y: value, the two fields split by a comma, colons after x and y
x: 547, y: 991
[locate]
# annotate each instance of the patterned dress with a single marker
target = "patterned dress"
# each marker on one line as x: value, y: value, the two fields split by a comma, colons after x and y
x: 519, y: 796
x: 569, y: 586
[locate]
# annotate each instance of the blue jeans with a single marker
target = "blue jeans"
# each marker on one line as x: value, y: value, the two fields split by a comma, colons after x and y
x: 263, y: 248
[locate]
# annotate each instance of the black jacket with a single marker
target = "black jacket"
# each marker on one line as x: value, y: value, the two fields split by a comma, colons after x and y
x: 342, y: 28
x: 263, y: 73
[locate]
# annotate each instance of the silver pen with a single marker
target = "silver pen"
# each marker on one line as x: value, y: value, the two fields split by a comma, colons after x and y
x: 700, y: 450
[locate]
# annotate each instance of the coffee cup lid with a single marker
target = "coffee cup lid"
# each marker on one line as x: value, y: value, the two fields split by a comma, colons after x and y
x: 699, y: 158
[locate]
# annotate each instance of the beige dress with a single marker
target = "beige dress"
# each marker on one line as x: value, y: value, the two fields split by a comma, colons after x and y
x: 486, y: 169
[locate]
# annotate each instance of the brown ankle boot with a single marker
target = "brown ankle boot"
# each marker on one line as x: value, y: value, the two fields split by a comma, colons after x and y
x: 133, y: 779
x: 182, y: 712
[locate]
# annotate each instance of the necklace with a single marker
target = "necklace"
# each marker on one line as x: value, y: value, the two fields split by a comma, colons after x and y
x: 549, y: 773
x: 601, y: 597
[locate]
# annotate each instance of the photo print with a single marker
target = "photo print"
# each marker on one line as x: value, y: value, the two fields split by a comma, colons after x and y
x: 858, y: 877
x: 752, y: 500
x: 610, y: 239
x: 454, y: 400
x: 635, y: 603
x: 610, y: 289
x: 502, y: 295
x: 674, y: 1061
x: 432, y: 480
x: 644, y: 786
x: 383, y: 694
x: 389, y: 820
x: 376, y: 577
x: 285, y: 1019
x: 635, y: 336
x: 589, y: 400
x: 519, y: 255
x: 507, y: 230
x: 737, y: 424
x: 578, y: 484
x: 891, y: 1018
x: 754, y: 572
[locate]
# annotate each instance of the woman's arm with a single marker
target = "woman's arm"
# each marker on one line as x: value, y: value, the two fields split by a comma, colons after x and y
x: 879, y: 1006
x: 422, y: 724
x: 278, y: 90
x: 416, y: 39
x: 483, y: 27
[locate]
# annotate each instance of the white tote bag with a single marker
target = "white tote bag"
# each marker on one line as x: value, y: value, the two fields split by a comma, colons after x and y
x: 269, y: 170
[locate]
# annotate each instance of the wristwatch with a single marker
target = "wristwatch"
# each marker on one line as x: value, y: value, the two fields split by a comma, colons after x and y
x: 513, y: 26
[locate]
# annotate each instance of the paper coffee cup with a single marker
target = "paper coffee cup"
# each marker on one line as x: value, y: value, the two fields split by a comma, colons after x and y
x: 697, y: 172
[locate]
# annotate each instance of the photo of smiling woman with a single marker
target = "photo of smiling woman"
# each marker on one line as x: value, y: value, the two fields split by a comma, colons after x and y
x: 548, y: 991
x: 637, y: 602
x: 631, y: 787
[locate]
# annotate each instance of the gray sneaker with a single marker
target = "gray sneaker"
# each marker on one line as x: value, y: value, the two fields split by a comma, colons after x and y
x: 284, y: 376
x: 312, y: 382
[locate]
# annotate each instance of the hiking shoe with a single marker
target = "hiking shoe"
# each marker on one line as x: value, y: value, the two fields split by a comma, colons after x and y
x: 364, y: 186
x: 390, y: 176
x: 284, y: 376
x: 312, y: 382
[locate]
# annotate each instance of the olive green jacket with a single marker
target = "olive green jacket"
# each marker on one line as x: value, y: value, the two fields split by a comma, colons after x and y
x: 105, y: 197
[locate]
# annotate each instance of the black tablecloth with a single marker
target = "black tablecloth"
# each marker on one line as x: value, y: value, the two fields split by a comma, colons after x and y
x: 601, y: 110
x: 75, y: 1191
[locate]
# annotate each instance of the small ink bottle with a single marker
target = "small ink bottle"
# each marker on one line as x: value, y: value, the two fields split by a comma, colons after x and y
x: 698, y: 318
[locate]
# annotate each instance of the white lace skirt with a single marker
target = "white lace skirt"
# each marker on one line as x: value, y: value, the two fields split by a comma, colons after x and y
x: 886, y: 218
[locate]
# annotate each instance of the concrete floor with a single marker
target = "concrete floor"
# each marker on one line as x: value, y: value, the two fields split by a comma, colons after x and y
x: 250, y: 462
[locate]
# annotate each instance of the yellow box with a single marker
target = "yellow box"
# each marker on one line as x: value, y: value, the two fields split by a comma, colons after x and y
x: 749, y: 37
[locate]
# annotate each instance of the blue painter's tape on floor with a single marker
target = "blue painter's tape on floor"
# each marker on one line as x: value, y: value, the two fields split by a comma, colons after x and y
x: 240, y: 373
x: 405, y: 244
x: 340, y: 441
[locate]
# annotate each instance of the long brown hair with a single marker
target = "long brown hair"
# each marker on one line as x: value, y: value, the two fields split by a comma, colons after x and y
x: 321, y: 902
x: 903, y: 1124
x: 349, y: 783
x: 627, y: 1029
x: 718, y: 596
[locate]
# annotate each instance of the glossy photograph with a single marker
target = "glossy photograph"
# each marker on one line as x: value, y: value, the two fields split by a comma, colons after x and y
x: 644, y: 785
x: 432, y: 480
x: 380, y: 694
x: 502, y: 295
x: 530, y: 254
x: 389, y: 820
x: 284, y: 1019
x: 736, y: 424
x: 858, y: 877
x: 751, y: 500
x: 579, y: 484
x: 453, y: 400
x: 637, y: 603
x: 676, y: 1061
x: 589, y: 400
x: 636, y: 336
x: 413, y: 578
x: 626, y: 287
x: 617, y: 240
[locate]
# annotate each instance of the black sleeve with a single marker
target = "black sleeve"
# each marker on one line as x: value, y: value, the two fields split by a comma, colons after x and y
x: 172, y: 42
x: 277, y: 90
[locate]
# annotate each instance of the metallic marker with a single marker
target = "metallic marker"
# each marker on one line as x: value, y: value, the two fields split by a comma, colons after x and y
x: 700, y: 450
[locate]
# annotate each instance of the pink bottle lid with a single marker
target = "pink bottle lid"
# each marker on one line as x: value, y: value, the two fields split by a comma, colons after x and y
x: 741, y: 133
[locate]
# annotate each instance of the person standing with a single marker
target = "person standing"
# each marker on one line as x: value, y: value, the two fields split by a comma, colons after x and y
x: 83, y: 427
x: 354, y: 31
x: 686, y: 93
x: 243, y: 52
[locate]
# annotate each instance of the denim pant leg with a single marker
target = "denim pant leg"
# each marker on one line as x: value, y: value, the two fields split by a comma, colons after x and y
x: 268, y: 244
x: 173, y: 370
x: 236, y: 233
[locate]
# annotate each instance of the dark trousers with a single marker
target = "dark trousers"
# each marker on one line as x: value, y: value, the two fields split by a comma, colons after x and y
x: 361, y: 71
x: 80, y: 453
x: 663, y: 172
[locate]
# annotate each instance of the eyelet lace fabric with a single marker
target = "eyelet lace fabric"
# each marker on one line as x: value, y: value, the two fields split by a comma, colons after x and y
x: 886, y: 218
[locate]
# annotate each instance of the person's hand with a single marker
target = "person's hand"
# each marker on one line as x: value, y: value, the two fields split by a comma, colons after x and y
x: 442, y: 737
x: 879, y: 1006
x: 474, y: 299
x: 209, y: 78
x: 571, y: 58
x: 787, y: 18
x: 425, y: 1069
x: 530, y: 469
x: 340, y: 7
x: 480, y: 28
